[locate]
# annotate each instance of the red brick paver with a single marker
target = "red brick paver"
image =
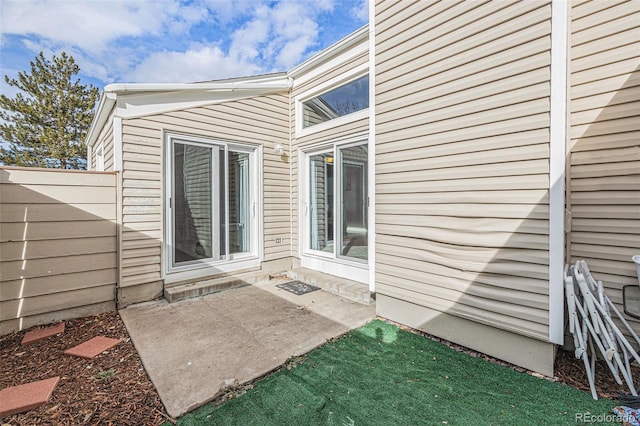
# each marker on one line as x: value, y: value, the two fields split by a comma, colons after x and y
x: 18, y: 399
x: 92, y: 347
x: 42, y: 333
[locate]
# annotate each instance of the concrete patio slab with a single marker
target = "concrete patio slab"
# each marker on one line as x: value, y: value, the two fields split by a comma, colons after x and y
x: 194, y: 348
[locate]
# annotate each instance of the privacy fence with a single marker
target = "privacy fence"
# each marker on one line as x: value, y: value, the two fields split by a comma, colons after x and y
x: 58, y: 245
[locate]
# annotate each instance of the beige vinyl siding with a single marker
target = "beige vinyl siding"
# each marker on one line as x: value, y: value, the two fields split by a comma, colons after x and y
x: 330, y: 134
x: 261, y: 120
x: 57, y: 245
x: 462, y: 153
x: 604, y: 164
x: 106, y: 139
x: 109, y: 151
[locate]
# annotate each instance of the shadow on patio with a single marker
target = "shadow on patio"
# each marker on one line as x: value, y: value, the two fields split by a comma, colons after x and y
x: 194, y: 349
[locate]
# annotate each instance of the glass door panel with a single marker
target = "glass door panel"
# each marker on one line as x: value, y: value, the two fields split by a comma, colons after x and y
x: 193, y: 216
x: 353, y: 202
x: 321, y: 202
x: 198, y: 203
x: 239, y: 203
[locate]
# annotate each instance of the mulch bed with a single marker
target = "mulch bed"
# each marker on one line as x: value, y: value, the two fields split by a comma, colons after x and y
x: 570, y: 371
x: 110, y: 389
x: 114, y: 389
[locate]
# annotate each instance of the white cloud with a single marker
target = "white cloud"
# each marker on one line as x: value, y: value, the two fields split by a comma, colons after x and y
x: 293, y: 51
x: 247, y: 40
x: 92, y: 25
x: 278, y: 36
x: 206, y: 63
x: 274, y: 38
x: 103, y: 67
x: 361, y: 10
x: 296, y: 30
x: 7, y: 90
x: 173, y: 40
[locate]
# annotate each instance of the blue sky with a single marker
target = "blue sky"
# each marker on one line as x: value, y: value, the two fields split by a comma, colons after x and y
x: 171, y: 40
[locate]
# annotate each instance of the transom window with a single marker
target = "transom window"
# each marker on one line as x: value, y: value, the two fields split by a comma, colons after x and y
x: 346, y: 99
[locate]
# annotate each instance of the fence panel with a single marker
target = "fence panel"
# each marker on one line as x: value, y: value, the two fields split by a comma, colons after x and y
x: 58, y: 245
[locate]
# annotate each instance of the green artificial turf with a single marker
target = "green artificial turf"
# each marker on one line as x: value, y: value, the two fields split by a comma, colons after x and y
x: 382, y: 375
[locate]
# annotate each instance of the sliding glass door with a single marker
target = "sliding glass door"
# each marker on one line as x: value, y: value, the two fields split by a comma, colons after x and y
x: 196, y: 226
x: 337, y: 200
x: 353, y: 202
x: 211, y: 202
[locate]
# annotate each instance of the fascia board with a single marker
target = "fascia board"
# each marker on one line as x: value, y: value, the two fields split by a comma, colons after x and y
x: 141, y: 104
x: 281, y: 82
x: 359, y: 36
x: 106, y: 103
x: 335, y: 61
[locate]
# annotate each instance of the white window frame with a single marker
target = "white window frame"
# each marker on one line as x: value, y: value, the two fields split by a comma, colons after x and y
x: 330, y: 263
x: 233, y: 262
x: 347, y: 77
x: 100, y: 157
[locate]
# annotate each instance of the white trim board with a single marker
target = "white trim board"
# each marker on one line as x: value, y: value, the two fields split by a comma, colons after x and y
x: 323, y: 57
x: 107, y: 101
x: 557, y: 164
x: 350, y: 271
x: 372, y: 147
x: 117, y: 144
x: 143, y: 104
x: 333, y: 63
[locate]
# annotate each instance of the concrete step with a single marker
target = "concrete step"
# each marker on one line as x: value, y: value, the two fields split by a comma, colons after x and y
x: 352, y: 290
x: 214, y: 285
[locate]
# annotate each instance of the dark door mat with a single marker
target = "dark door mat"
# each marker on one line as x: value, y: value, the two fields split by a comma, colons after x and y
x: 297, y: 287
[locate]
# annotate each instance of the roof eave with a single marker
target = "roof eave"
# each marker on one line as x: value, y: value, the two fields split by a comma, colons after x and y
x: 275, y: 82
x: 107, y: 102
x: 272, y: 82
x: 319, y: 58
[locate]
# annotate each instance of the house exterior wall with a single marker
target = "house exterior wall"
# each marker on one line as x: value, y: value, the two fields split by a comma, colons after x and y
x: 106, y: 138
x: 334, y: 133
x: 462, y: 153
x: 462, y: 172
x: 259, y: 120
x: 604, y: 145
x: 57, y: 245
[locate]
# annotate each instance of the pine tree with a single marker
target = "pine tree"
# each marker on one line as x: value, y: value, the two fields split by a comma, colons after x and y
x: 45, y: 124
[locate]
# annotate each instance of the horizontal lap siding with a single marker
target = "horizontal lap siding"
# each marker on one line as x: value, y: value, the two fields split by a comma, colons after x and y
x: 462, y: 152
x: 337, y: 132
x: 106, y: 138
x: 261, y: 121
x: 57, y: 245
x: 108, y: 147
x: 604, y: 170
